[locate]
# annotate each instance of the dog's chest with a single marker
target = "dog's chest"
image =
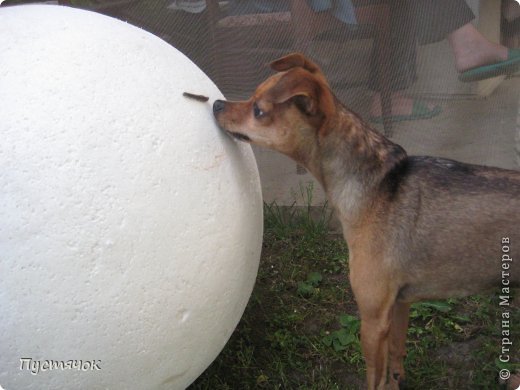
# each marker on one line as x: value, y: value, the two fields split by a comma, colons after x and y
x: 346, y: 194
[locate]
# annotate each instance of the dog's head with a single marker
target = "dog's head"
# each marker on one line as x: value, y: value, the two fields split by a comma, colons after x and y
x: 286, y: 112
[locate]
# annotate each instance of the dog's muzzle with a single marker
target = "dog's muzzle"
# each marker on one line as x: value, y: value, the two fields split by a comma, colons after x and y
x: 218, y: 107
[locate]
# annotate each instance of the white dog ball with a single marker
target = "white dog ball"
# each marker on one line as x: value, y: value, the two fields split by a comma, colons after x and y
x: 130, y: 225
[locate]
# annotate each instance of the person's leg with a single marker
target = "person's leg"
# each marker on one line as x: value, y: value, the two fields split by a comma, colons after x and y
x: 402, y: 66
x: 429, y: 21
x: 451, y: 19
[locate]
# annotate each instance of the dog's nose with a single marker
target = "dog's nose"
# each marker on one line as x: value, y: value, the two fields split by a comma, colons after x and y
x: 218, y: 106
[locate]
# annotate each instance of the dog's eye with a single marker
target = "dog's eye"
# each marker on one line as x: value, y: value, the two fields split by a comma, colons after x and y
x: 257, y: 112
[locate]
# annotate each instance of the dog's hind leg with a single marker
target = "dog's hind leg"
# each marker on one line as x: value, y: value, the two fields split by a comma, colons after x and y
x: 397, y: 343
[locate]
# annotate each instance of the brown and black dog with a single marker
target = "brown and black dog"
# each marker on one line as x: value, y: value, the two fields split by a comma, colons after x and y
x: 417, y: 228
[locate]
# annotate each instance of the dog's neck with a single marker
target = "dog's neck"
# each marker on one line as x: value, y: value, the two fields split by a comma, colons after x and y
x: 355, y: 159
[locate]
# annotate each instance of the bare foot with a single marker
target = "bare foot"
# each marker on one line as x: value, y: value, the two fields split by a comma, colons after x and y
x: 401, y: 105
x: 472, y: 49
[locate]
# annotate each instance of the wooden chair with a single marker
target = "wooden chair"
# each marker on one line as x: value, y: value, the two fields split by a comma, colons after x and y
x: 241, y: 42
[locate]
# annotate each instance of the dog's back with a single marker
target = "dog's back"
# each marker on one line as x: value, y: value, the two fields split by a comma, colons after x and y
x: 455, y: 225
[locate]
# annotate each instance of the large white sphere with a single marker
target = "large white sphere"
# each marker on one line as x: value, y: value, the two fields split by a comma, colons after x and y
x: 130, y: 226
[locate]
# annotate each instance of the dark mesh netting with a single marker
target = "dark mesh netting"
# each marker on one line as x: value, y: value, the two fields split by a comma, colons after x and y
x: 404, y: 59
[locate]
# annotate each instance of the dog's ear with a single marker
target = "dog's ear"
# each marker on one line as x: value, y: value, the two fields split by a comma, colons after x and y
x: 294, y: 60
x: 298, y: 86
x: 298, y: 60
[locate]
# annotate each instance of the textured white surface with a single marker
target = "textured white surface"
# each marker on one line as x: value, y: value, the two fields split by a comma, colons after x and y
x: 130, y: 226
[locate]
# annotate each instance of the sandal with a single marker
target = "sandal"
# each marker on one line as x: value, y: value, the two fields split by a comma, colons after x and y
x: 419, y: 111
x: 506, y: 67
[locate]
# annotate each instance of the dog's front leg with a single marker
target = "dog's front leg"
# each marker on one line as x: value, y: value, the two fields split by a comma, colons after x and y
x: 376, y: 309
x: 397, y: 343
x: 374, y: 341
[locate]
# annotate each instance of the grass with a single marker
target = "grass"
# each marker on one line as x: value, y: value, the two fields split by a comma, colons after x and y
x: 300, y: 329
